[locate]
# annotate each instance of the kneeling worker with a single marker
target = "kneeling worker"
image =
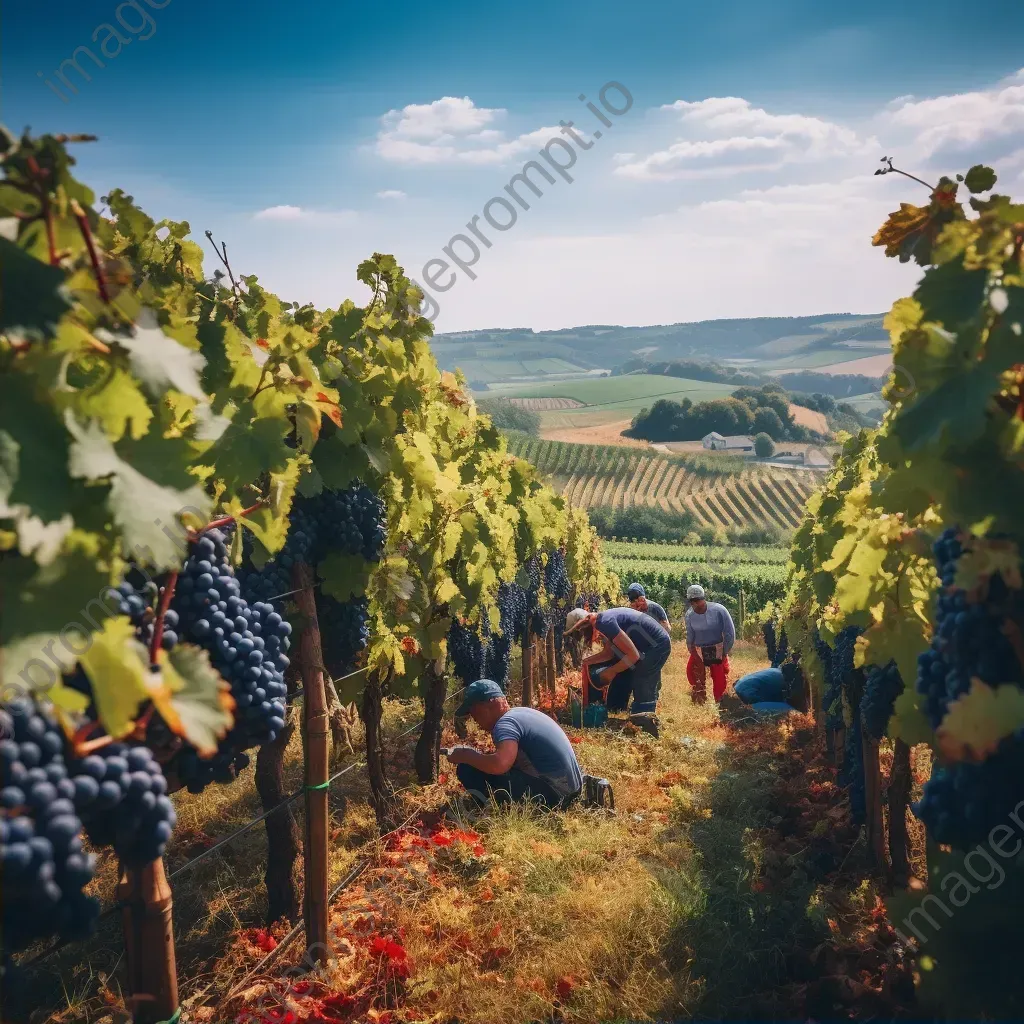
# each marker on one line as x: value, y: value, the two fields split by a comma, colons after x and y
x: 533, y: 759
x: 638, y: 599
x: 639, y: 646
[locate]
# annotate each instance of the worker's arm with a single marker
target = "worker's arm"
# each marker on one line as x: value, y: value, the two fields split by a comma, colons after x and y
x: 598, y: 656
x: 626, y: 655
x: 728, y: 630
x: 689, y: 635
x: 498, y: 763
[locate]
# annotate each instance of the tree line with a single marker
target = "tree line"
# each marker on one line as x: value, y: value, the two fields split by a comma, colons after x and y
x: 748, y: 410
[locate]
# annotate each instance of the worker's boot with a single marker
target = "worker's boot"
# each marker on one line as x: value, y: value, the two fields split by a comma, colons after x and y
x: 648, y: 722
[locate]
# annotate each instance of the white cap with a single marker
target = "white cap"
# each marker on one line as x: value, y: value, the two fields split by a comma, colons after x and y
x: 574, y: 618
x: 695, y: 592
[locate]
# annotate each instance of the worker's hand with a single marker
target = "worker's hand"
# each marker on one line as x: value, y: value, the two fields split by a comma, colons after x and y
x: 457, y: 755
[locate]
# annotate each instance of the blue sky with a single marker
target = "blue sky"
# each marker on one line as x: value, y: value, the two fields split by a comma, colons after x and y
x: 308, y: 135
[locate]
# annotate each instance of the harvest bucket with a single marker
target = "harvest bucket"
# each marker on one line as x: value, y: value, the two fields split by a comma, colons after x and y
x: 593, y: 716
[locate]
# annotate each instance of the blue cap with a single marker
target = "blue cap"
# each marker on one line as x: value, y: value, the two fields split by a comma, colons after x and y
x: 481, y: 690
x: 635, y: 591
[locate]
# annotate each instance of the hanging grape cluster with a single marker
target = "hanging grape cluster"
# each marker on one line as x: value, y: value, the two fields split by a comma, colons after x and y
x: 344, y: 632
x: 43, y: 866
x: 498, y: 656
x: 882, y: 685
x: 466, y: 652
x: 248, y: 645
x: 963, y: 801
x: 351, y: 522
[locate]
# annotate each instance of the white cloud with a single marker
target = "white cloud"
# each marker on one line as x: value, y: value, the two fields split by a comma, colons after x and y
x: 391, y: 193
x: 451, y: 130
x: 297, y: 214
x: 982, y: 124
x: 729, y: 135
x: 281, y: 213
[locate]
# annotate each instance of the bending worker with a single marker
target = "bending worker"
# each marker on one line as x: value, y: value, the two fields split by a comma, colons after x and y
x: 634, y: 651
x: 638, y: 599
x: 533, y: 759
x: 710, y: 635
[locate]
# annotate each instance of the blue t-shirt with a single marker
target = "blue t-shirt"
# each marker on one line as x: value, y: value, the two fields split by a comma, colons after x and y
x: 544, y: 750
x: 767, y: 684
x: 656, y: 611
x: 647, y: 634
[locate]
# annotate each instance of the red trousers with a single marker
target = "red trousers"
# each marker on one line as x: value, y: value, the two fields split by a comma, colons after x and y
x: 696, y: 672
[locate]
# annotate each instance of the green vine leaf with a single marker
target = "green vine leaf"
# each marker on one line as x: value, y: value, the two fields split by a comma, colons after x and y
x: 141, y: 507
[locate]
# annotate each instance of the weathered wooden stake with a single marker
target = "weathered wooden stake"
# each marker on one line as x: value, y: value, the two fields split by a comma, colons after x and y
x: 317, y: 761
x: 148, y: 926
x: 527, y: 669
x: 899, y: 796
x: 549, y: 648
x: 282, y: 829
x: 873, y: 800
x: 743, y: 609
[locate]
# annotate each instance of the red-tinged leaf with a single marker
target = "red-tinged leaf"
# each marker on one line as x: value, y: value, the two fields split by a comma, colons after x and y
x: 440, y: 839
x: 478, y: 850
x: 263, y: 343
x: 565, y: 986
x: 575, y: 739
x: 265, y: 940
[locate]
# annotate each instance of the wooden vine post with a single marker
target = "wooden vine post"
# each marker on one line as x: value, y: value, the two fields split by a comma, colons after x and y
x: 899, y: 796
x: 873, y: 800
x: 549, y: 647
x: 316, y: 734
x: 148, y: 925
x: 743, y: 609
x: 527, y: 669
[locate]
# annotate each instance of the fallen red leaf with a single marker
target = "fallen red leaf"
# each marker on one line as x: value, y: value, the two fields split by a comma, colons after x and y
x: 565, y: 985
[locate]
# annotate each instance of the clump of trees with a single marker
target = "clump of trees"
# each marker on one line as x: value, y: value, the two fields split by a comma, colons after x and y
x: 506, y: 415
x: 642, y: 522
x: 840, y: 415
x: 764, y: 447
x: 748, y: 410
x: 690, y: 369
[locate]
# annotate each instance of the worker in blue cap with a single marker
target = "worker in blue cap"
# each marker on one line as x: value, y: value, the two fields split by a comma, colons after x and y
x: 533, y: 759
x: 639, y: 600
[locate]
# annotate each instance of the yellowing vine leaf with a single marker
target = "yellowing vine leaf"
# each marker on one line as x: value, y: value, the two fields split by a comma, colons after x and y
x: 193, y: 700
x: 987, y: 557
x: 976, y: 722
x: 117, y: 667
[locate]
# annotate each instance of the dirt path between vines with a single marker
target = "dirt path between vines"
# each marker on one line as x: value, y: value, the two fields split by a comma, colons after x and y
x: 729, y: 883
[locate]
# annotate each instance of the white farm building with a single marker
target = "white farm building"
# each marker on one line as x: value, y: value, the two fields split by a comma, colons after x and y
x: 733, y: 443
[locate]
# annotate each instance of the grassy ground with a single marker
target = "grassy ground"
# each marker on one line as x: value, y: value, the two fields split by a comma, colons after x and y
x: 726, y: 883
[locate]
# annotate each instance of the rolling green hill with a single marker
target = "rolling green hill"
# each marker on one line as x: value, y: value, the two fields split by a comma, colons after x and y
x: 763, y: 344
x: 622, y: 396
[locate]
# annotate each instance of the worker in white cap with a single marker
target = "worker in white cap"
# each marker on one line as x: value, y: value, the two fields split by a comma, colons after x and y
x: 634, y: 651
x: 710, y: 635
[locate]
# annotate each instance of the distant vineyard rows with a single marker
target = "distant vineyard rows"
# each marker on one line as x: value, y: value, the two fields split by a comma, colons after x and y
x: 667, y: 580
x: 695, y: 554
x: 719, y: 492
